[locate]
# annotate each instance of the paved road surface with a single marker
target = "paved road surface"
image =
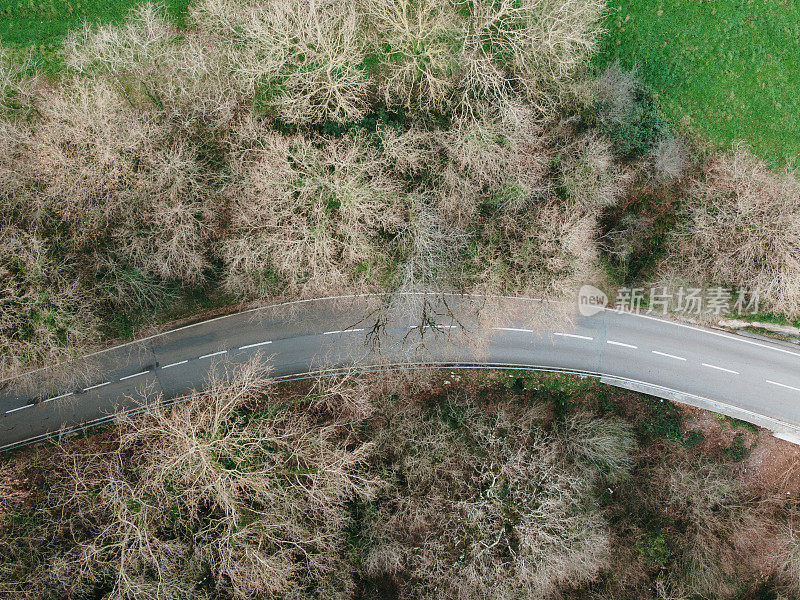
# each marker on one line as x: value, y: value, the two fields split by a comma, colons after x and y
x: 753, y: 380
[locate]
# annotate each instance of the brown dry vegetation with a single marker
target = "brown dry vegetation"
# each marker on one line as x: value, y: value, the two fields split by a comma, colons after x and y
x: 450, y: 485
x: 291, y: 148
x: 741, y: 227
x: 297, y: 148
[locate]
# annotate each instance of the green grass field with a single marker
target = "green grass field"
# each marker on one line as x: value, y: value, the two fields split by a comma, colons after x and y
x: 724, y: 69
x: 40, y: 25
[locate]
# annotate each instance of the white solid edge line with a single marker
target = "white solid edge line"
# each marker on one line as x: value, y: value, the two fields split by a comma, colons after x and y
x: 667, y: 355
x: 13, y: 410
x: 720, y: 368
x: 255, y: 345
x: 94, y: 387
x: 213, y: 354
x: 348, y: 331
x: 513, y: 329
x: 57, y: 397
x: 573, y: 335
x: 175, y: 364
x: 134, y: 375
x: 623, y: 344
x: 783, y: 385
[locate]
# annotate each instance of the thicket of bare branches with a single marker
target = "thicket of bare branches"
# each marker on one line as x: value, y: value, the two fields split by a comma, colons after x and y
x: 17, y: 84
x: 417, y: 44
x: 188, y: 80
x: 309, y: 59
x: 490, y: 505
x: 501, y: 162
x: 548, y: 252
x: 205, y: 499
x: 253, y: 150
x: 704, y: 499
x: 741, y: 228
x: 313, y: 214
x: 534, y: 46
x: 45, y: 313
x: 110, y: 184
x: 590, y: 177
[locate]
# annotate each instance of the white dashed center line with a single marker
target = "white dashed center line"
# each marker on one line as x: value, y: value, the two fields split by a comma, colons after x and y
x: 332, y: 332
x: 624, y: 345
x: 731, y: 371
x: 255, y: 345
x: 134, y: 375
x: 513, y: 329
x: 94, y: 387
x: 57, y: 397
x: 213, y: 354
x: 13, y: 410
x: 667, y: 355
x: 574, y: 335
x: 175, y: 364
x: 783, y: 385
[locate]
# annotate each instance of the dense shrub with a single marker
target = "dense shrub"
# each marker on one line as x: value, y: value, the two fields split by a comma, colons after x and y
x: 490, y: 504
x: 741, y: 228
x: 625, y: 110
x: 45, y: 313
x: 201, y: 501
x: 319, y: 216
x: 300, y: 148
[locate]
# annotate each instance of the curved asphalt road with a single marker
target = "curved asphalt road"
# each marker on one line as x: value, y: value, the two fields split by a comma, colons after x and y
x: 749, y: 379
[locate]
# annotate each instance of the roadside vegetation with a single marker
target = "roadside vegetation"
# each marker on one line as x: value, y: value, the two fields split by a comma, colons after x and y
x: 255, y: 151
x: 450, y: 485
x: 287, y: 149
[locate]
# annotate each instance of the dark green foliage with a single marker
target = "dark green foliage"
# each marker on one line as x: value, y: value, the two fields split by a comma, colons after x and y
x: 737, y: 451
x: 639, y: 125
x: 655, y: 550
x: 635, y: 232
x: 662, y: 419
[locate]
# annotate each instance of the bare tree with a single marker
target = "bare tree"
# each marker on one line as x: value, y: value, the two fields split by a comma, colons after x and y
x: 45, y: 314
x: 741, y: 228
x: 532, y: 46
x: 590, y: 177
x: 417, y: 44
x: 310, y: 56
x: 312, y: 214
x: 513, y: 522
x: 234, y: 489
